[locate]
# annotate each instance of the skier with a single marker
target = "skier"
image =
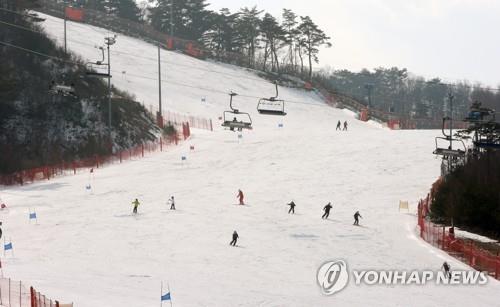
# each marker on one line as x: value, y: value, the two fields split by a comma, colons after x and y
x: 234, y: 121
x: 172, y: 203
x: 240, y: 196
x: 327, y: 211
x: 136, y: 204
x: 446, y: 268
x: 345, y: 126
x: 338, y: 126
x: 235, y: 238
x: 292, y: 208
x: 356, y: 218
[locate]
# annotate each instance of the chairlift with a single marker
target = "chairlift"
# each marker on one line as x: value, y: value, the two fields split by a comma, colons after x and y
x: 35, y: 17
x: 484, y: 125
x: 94, y: 69
x: 448, y: 151
x: 235, y: 119
x: 62, y: 89
x: 479, y: 114
x: 272, y: 105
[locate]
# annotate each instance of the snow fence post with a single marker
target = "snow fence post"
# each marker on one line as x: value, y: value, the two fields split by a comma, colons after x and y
x: 497, y: 269
x: 443, y: 238
x: 211, y: 127
x: 32, y: 296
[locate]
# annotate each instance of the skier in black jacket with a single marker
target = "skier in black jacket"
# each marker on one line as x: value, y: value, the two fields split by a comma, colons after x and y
x: 292, y: 207
x: 356, y: 218
x: 327, y: 211
x: 235, y: 238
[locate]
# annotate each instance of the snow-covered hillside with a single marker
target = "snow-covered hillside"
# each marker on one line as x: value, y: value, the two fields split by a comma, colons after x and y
x: 89, y: 249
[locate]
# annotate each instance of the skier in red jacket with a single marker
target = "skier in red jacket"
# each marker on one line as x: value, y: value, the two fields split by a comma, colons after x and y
x: 240, y: 196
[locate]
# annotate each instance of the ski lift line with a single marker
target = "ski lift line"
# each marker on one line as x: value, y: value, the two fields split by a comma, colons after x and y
x: 148, y: 78
x: 187, y: 66
x: 21, y: 27
x: 85, y: 27
x: 216, y: 91
x: 29, y: 29
x: 146, y: 58
x: 41, y: 54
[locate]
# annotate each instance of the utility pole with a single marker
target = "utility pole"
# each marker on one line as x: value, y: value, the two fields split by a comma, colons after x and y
x: 172, y: 19
x: 450, y: 159
x: 65, y: 49
x: 110, y: 40
x: 450, y: 98
x: 159, y: 115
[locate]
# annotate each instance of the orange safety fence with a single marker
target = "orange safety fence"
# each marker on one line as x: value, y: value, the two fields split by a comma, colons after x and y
x: 462, y: 249
x: 14, y: 293
x: 169, y: 117
x: 63, y: 168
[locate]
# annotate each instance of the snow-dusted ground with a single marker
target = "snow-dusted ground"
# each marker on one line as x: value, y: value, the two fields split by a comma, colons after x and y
x: 469, y: 235
x: 87, y: 247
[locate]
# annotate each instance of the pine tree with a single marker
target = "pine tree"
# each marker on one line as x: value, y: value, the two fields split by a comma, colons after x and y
x: 247, y: 27
x: 128, y: 9
x: 190, y: 18
x: 312, y: 37
x: 221, y: 36
x: 289, y: 26
x: 273, y: 35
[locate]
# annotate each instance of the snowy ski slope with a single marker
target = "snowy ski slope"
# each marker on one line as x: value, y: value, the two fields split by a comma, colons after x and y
x: 87, y: 247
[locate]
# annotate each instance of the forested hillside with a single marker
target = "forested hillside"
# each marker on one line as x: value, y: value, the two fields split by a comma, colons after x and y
x: 401, y: 93
x: 40, y: 121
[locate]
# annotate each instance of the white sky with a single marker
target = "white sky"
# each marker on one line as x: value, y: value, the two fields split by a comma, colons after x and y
x: 451, y: 39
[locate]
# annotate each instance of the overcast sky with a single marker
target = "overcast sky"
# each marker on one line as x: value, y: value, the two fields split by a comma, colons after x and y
x: 451, y: 39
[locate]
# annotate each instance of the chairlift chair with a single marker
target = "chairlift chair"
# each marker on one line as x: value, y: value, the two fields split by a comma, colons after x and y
x: 35, y: 17
x: 478, y: 113
x: 235, y: 119
x: 448, y: 151
x: 94, y: 69
x: 62, y: 89
x: 272, y: 105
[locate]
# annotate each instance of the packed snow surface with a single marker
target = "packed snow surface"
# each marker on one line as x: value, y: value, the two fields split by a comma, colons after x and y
x: 89, y: 249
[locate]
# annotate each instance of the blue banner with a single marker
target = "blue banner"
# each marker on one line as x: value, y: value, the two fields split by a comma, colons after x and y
x: 9, y: 246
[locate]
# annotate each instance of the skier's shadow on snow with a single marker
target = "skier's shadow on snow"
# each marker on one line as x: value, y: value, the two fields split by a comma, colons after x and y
x: 172, y: 211
x: 127, y: 215
x: 333, y: 220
